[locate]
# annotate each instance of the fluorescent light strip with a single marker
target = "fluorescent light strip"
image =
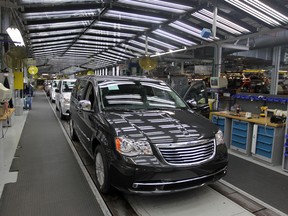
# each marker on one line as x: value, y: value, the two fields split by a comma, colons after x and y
x: 15, y: 36
x: 68, y: 53
x: 127, y: 51
x: 46, y: 52
x: 110, y: 33
x: 144, y: 45
x: 75, y: 24
x: 79, y: 46
x: 126, y: 46
x: 84, y: 51
x: 95, y: 49
x: 170, y: 52
x: 116, y: 40
x: 103, y: 59
x: 188, y: 29
x: 224, y: 21
x: 52, y: 46
x: 254, y: 12
x: 166, y: 45
x: 51, y: 43
x: 121, y: 54
x: 174, y: 37
x: 119, y: 26
x: 220, y: 25
x: 44, y: 40
x: 62, y: 14
x: 96, y: 42
x: 132, y: 16
x: 108, y: 57
x: 50, y: 49
x: 159, y: 5
x: 115, y: 56
x: 268, y: 10
x: 60, y: 32
x: 102, y: 39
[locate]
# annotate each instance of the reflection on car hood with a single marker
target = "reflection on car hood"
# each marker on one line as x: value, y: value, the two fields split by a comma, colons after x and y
x: 66, y: 95
x: 162, y: 126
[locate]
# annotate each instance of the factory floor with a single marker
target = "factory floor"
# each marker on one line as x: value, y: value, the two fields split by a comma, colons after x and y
x: 41, y: 174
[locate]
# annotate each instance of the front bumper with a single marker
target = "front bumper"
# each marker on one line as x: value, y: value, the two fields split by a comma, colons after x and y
x: 66, y: 109
x: 179, y: 185
x: 154, y: 177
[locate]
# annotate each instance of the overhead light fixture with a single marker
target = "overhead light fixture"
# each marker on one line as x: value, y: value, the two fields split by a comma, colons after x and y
x: 144, y: 45
x: 16, y: 36
x: 159, y: 5
x: 169, y: 52
x: 132, y: 16
x: 255, y: 11
x: 173, y: 37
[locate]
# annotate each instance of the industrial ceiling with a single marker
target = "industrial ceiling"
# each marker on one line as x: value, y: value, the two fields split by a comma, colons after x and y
x: 69, y: 35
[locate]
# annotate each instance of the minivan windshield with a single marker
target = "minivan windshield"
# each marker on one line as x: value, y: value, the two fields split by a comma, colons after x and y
x: 68, y: 86
x: 131, y: 95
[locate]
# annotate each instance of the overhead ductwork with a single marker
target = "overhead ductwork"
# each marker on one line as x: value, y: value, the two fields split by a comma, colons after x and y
x: 269, y: 40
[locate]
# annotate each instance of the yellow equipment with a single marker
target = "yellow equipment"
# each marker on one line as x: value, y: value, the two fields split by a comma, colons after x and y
x: 264, y: 110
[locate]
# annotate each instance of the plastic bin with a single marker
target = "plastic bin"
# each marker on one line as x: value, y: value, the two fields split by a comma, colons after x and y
x: 28, y: 102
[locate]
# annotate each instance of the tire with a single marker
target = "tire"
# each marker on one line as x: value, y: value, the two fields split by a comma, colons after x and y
x: 102, y: 171
x: 73, y: 134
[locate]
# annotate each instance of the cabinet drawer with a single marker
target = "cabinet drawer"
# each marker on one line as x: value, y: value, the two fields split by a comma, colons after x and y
x: 240, y: 125
x: 240, y: 132
x: 266, y: 131
x: 263, y: 152
x: 239, y: 139
x: 220, y: 122
x: 265, y: 139
x: 239, y: 135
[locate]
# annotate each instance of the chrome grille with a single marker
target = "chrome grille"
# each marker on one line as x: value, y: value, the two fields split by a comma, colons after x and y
x: 187, y: 153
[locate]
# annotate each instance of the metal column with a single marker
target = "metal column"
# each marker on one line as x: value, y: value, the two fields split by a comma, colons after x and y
x: 275, y: 70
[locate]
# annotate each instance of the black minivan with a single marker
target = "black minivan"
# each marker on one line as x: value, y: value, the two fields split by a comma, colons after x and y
x: 143, y: 137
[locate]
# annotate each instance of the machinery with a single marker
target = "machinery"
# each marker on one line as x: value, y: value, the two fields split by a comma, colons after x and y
x: 279, y: 116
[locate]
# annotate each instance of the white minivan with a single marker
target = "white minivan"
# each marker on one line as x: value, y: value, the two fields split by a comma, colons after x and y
x: 52, y: 90
x: 62, y: 97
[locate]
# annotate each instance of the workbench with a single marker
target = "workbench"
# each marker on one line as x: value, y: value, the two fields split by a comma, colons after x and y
x: 6, y: 120
x: 255, y: 136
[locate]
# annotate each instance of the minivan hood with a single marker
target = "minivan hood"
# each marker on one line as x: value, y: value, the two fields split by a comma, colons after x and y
x: 162, y: 126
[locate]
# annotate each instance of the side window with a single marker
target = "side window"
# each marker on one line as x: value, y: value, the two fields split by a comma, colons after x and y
x: 59, y: 85
x: 77, y: 91
x: 80, y: 91
x: 90, y: 95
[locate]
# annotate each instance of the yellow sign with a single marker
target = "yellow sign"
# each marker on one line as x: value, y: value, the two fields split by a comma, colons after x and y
x: 33, y: 70
x: 18, y: 80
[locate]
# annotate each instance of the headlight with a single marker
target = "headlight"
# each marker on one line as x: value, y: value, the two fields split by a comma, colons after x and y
x: 130, y: 147
x: 219, y: 138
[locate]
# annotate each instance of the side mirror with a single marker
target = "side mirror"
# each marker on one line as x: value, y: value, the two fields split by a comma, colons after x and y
x: 85, y: 105
x: 192, y: 104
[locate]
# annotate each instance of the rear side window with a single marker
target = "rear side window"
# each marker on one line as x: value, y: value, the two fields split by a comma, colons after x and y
x: 67, y: 86
x: 79, y: 89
